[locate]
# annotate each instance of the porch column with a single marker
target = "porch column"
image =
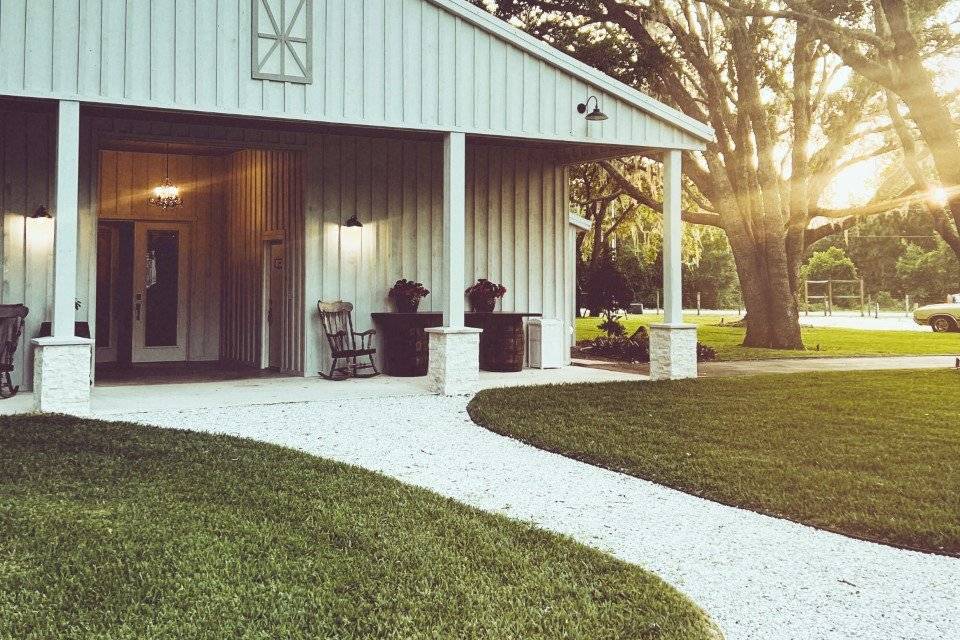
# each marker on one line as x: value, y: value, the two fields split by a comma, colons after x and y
x: 454, y: 349
x: 673, y: 344
x: 61, y: 376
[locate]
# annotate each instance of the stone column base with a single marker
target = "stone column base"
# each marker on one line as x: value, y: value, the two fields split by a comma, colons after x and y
x: 454, y: 367
x: 673, y: 351
x: 61, y: 375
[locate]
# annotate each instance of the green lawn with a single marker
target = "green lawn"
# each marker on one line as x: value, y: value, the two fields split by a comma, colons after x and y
x: 831, y: 342
x: 116, y: 531
x: 874, y: 455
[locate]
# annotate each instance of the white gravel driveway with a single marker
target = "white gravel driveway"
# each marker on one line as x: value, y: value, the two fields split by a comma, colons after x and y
x: 758, y: 577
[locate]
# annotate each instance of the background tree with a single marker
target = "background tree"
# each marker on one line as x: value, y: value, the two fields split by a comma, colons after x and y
x: 622, y: 229
x: 784, y: 125
x: 876, y: 244
x: 923, y: 275
x: 603, y: 202
x: 831, y: 264
x: 713, y: 274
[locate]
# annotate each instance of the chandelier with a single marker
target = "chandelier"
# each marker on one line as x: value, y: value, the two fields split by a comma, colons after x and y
x: 167, y: 195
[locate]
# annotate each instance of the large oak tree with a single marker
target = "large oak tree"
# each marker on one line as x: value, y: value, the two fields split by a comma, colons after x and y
x: 888, y: 43
x: 784, y: 123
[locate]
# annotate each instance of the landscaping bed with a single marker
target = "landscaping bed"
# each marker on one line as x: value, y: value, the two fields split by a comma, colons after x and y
x: 872, y: 455
x: 726, y: 340
x: 120, y: 531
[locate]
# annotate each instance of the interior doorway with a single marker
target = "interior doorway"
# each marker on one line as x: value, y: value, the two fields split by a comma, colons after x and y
x: 208, y: 287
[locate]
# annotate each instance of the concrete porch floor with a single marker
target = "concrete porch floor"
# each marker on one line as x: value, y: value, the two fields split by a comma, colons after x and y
x: 107, y: 400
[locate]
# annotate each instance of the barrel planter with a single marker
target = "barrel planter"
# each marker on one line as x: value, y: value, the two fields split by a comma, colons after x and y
x: 502, y: 343
x: 406, y: 346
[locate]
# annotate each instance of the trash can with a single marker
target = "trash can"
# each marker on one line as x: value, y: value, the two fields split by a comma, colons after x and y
x: 544, y: 343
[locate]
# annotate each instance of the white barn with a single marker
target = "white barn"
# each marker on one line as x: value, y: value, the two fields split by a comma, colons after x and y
x: 445, y: 132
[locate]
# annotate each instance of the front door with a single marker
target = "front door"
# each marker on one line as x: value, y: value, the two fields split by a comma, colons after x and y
x: 160, y: 291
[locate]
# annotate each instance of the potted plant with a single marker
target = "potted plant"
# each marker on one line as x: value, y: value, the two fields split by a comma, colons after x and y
x: 483, y: 295
x: 406, y: 295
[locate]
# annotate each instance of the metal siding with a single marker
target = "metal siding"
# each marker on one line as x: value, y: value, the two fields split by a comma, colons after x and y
x: 12, y: 44
x: 406, y: 63
x: 264, y: 196
x: 395, y: 188
x: 374, y: 84
x: 354, y: 62
x: 24, y: 239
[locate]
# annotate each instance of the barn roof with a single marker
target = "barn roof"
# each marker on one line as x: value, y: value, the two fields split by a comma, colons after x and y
x: 574, y: 67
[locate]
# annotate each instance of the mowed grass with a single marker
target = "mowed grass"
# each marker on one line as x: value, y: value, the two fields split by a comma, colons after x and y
x: 820, y: 342
x: 874, y: 455
x: 117, y: 531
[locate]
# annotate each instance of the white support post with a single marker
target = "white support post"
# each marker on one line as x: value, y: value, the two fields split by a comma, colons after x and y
x: 454, y: 348
x: 673, y: 345
x: 454, y: 227
x: 61, y: 378
x: 672, y: 229
x: 65, y: 220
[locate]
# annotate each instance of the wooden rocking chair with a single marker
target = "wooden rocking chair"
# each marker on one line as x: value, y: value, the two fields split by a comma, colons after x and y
x: 345, y: 343
x: 11, y: 328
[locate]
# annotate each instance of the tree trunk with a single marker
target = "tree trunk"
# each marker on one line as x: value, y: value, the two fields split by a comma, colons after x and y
x: 772, y: 316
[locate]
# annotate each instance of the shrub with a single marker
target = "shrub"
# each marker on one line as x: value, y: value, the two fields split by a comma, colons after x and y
x: 705, y: 353
x: 888, y: 302
x: 636, y: 348
x: 612, y: 327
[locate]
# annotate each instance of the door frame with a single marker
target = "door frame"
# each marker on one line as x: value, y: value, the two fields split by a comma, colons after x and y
x: 268, y: 239
x: 140, y: 353
x: 109, y: 353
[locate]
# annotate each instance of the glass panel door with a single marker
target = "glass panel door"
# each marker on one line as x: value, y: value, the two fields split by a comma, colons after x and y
x: 160, y: 292
x: 162, y: 288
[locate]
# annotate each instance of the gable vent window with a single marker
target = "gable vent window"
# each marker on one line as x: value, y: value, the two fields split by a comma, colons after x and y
x: 282, y: 40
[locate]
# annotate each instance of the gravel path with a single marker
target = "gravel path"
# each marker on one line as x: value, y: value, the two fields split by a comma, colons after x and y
x: 758, y: 577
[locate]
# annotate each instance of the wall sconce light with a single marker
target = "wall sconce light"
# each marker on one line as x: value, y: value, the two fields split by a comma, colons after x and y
x: 352, y: 234
x: 594, y: 116
x: 40, y: 213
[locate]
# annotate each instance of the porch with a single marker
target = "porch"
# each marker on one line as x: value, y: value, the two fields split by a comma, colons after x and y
x: 440, y: 208
x: 112, y: 400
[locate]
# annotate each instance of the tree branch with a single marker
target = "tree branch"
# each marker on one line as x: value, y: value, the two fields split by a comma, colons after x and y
x: 693, y: 217
x: 803, y: 16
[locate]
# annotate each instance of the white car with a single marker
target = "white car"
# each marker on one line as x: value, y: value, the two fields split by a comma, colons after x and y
x: 941, y: 317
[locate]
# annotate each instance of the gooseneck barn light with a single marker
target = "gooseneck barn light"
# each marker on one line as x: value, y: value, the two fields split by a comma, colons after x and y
x: 594, y: 116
